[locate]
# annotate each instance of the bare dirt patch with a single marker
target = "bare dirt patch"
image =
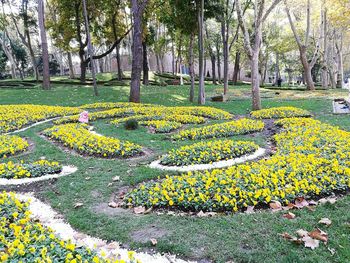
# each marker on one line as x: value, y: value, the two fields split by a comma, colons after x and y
x: 148, y: 232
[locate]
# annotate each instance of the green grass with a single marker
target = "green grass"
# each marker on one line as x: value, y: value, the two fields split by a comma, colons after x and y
x: 239, y: 237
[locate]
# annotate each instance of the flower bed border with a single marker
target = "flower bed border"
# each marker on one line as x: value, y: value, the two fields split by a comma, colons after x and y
x: 32, y: 125
x: 48, y: 217
x: 216, y: 165
x: 66, y: 170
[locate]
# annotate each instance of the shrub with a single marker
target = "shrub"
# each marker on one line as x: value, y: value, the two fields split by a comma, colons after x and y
x: 131, y: 124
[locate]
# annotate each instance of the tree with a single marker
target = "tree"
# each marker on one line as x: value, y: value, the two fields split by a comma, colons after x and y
x: 253, y: 41
x: 201, y: 89
x: 44, y: 46
x: 137, y: 9
x: 304, y: 45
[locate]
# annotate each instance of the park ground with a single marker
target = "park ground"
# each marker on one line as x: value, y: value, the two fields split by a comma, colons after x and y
x: 236, y: 237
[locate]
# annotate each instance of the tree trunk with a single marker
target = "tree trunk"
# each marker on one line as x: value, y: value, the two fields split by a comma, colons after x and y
x: 218, y: 59
x: 173, y: 57
x: 277, y: 69
x: 90, y: 48
x: 145, y: 64
x: 8, y: 53
x: 224, y: 33
x: 307, y: 69
x: 255, y: 81
x: 191, y: 65
x: 213, y: 73
x: 44, y: 46
x: 119, y: 66
x: 70, y: 65
x: 324, y: 74
x: 137, y: 8
x: 201, y: 89
x: 158, y: 63
x: 236, y: 68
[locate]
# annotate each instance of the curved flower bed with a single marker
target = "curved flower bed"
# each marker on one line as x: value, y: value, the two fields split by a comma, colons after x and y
x: 112, y: 105
x: 162, y: 126
x: 14, y: 117
x: 280, y: 112
x: 311, y: 159
x: 24, y: 240
x: 227, y: 129
x: 178, y: 114
x: 184, y: 119
x: 208, y: 152
x: 11, y: 144
x: 12, y: 170
x: 79, y: 138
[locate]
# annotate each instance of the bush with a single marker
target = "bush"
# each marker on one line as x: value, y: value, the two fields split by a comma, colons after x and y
x: 131, y: 124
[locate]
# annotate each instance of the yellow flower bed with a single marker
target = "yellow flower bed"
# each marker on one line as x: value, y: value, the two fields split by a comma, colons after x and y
x: 112, y: 105
x: 13, y: 117
x: 13, y: 170
x: 311, y: 160
x: 77, y: 137
x: 162, y: 126
x: 24, y: 240
x: 11, y: 144
x: 226, y: 129
x: 208, y: 152
x: 179, y: 114
x: 280, y: 112
x: 184, y: 119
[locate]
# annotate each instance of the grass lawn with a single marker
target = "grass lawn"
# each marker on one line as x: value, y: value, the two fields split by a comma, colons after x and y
x: 239, y: 237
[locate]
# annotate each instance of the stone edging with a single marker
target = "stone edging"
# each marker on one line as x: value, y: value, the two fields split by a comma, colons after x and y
x: 66, y: 170
x: 49, y: 218
x: 216, y: 165
x: 32, y: 125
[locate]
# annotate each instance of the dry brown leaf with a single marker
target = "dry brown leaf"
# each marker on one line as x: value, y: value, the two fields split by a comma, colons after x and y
x: 139, y: 210
x: 300, y: 202
x: 325, y: 221
x: 77, y: 205
x: 154, y: 241
x: 113, y: 204
x: 319, y: 235
x: 289, y: 215
x: 250, y: 210
x: 276, y: 205
x: 302, y: 233
x: 286, y: 235
x: 310, y: 242
x: 291, y: 238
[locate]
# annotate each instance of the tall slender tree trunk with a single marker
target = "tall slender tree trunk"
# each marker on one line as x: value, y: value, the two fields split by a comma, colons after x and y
x: 145, y: 64
x: 44, y: 46
x: 201, y: 89
x: 277, y: 69
x: 255, y: 81
x: 339, y: 47
x: 70, y: 66
x: 224, y: 33
x: 137, y: 8
x: 191, y: 65
x: 307, y: 69
x: 324, y: 29
x: 90, y: 48
x: 236, y: 68
x: 119, y: 65
x: 158, y: 63
x: 213, y: 73
x: 218, y: 59
x: 173, y: 66
x: 8, y: 53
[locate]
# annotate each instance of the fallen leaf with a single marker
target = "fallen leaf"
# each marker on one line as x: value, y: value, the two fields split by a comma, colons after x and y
x: 291, y: 238
x: 300, y: 202
x: 332, y: 250
x: 113, y: 204
x: 116, y: 178
x: 276, y: 205
x: 286, y: 235
x: 149, y: 210
x: 325, y: 221
x: 139, y: 210
x: 289, y: 215
x: 77, y: 205
x: 319, y: 235
x: 302, y: 233
x: 154, y: 241
x: 250, y: 210
x: 310, y: 242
